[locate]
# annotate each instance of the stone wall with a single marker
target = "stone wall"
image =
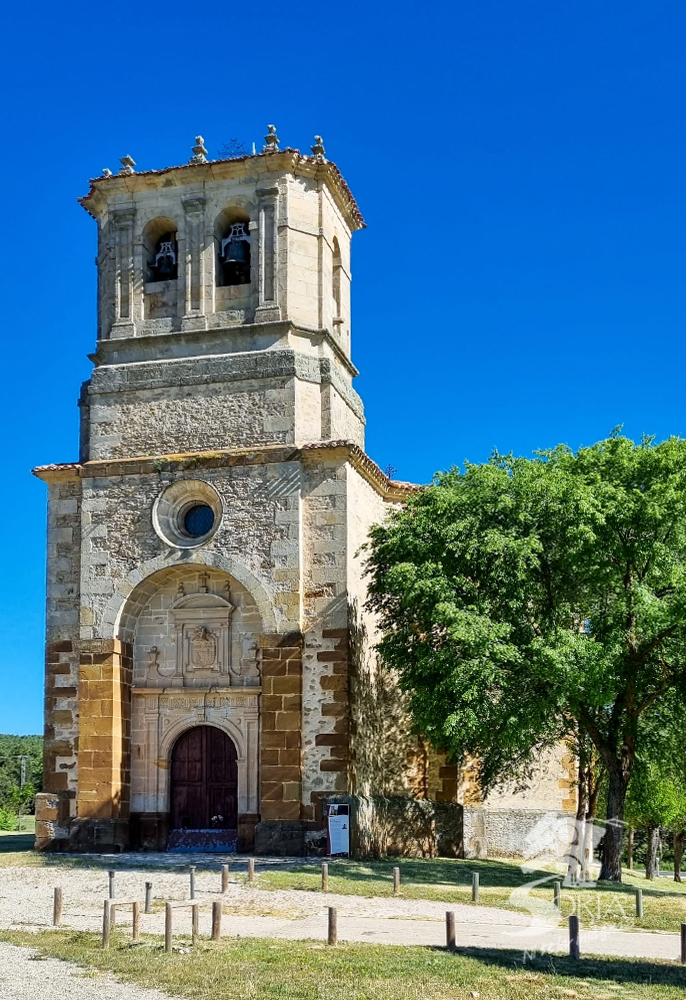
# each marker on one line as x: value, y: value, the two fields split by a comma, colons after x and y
x: 218, y: 402
x: 384, y: 826
x: 57, y: 805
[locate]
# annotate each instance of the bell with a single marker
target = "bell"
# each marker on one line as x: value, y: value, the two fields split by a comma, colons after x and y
x: 237, y: 252
x: 164, y: 267
x: 236, y: 255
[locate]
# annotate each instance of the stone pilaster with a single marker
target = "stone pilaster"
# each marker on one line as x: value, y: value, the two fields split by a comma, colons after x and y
x: 124, y: 278
x: 267, y: 310
x: 280, y: 830
x: 193, y: 265
x: 103, y: 798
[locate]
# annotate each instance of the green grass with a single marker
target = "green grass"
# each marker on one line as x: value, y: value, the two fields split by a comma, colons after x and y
x: 450, y: 881
x: 253, y: 969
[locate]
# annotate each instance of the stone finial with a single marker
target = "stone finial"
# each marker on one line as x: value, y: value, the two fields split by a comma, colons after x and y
x: 127, y: 165
x: 318, y: 150
x: 199, y: 151
x: 106, y: 172
x: 271, y: 140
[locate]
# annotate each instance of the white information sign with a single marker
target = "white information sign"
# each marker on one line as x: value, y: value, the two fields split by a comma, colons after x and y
x: 339, y: 834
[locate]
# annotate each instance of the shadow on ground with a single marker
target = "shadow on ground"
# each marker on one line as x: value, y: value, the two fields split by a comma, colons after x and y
x: 15, y: 842
x: 614, y: 969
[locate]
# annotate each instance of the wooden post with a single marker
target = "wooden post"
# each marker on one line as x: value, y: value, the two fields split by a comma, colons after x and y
x: 106, y: 924
x: 251, y: 869
x: 110, y: 876
x: 556, y: 894
x: 136, y: 920
x: 333, y: 925
x: 168, y: 927
x: 475, y: 887
x: 57, y: 907
x: 148, y: 897
x: 683, y: 944
x: 639, y: 902
x: 225, y: 878
x: 216, y: 920
x: 396, y: 881
x: 574, y: 938
x: 325, y: 877
x: 192, y: 873
x: 194, y: 923
x: 450, y: 930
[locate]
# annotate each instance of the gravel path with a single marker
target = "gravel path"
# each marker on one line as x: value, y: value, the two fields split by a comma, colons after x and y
x: 22, y: 977
x: 26, y: 902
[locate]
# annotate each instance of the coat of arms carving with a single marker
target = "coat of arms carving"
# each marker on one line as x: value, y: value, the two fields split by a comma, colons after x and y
x: 203, y: 649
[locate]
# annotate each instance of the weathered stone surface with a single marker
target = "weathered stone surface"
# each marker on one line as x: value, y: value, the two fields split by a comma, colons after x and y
x: 238, y: 397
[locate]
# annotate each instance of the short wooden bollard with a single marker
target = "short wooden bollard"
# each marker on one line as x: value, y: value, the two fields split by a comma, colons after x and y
x: 251, y: 869
x: 225, y: 878
x: 639, y: 902
x: 192, y: 879
x: 110, y: 876
x: 475, y: 887
x: 574, y: 951
x: 136, y: 920
x: 168, y: 927
x: 57, y: 907
x: 148, y: 897
x: 396, y: 881
x: 216, y: 920
x: 557, y: 886
x: 333, y: 925
x: 450, y: 930
x: 325, y: 877
x: 106, y: 924
x: 194, y: 923
x: 683, y: 944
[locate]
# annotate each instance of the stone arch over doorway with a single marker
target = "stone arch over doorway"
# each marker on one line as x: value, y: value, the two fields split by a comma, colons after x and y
x: 194, y: 635
x: 121, y: 609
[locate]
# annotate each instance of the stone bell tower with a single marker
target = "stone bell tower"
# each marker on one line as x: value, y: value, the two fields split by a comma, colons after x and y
x: 203, y: 566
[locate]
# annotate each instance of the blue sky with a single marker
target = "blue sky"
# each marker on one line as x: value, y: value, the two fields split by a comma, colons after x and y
x: 520, y: 166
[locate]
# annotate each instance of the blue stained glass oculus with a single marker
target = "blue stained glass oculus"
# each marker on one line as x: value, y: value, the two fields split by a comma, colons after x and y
x: 198, y: 520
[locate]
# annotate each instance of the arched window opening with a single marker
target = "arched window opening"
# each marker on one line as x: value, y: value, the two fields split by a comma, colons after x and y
x: 161, y: 250
x: 233, y: 247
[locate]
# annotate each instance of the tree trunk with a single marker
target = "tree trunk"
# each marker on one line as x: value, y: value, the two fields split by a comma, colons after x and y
x: 653, y: 833
x: 630, y: 848
x: 611, y: 867
x: 593, y: 785
x: 577, y: 848
x: 679, y: 839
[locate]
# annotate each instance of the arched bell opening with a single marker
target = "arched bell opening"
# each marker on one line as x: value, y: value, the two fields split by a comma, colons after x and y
x: 232, y: 241
x: 160, y: 249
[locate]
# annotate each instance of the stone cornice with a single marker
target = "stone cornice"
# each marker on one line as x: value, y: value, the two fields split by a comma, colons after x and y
x: 205, y: 338
x: 335, y: 451
x: 285, y: 161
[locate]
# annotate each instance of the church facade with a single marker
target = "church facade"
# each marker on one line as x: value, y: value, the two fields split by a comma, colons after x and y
x: 211, y: 679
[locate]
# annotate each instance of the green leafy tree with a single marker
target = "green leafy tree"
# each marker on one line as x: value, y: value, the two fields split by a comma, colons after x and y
x: 654, y: 800
x: 526, y: 600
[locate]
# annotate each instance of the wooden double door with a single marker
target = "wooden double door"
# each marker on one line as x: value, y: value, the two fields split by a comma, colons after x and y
x: 204, y: 781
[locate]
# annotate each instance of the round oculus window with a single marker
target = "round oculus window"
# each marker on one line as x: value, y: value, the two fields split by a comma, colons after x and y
x: 198, y: 520
x: 187, y: 513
